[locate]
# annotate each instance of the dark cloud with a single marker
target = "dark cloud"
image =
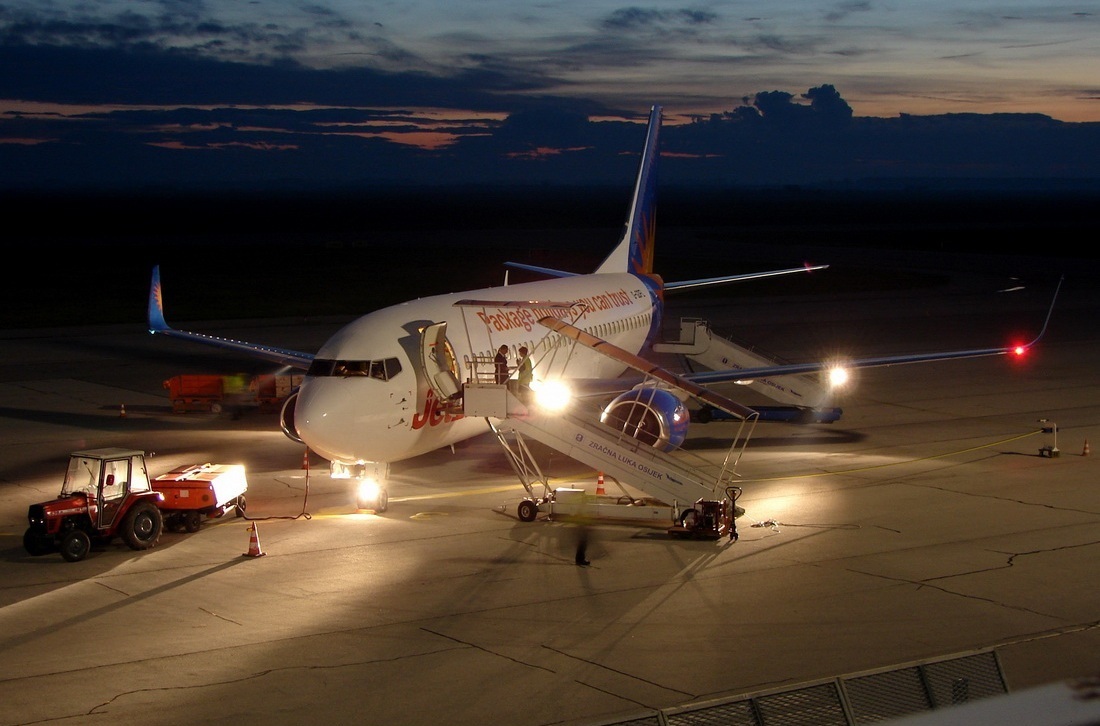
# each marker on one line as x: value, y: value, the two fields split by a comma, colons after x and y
x: 76, y: 75
x: 635, y: 18
x: 844, y: 9
x: 192, y: 124
x: 181, y: 28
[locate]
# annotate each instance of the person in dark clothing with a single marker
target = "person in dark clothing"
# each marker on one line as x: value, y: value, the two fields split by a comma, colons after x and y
x: 500, y: 363
x: 582, y: 547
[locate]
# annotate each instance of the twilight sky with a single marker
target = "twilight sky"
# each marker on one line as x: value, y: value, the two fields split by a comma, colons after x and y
x: 87, y: 85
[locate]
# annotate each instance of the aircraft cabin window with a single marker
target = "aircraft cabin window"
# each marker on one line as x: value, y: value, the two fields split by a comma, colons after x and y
x: 383, y: 369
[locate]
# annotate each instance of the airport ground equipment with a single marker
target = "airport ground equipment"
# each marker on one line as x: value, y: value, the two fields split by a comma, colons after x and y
x: 705, y: 519
x: 215, y: 393
x: 196, y: 492
x: 710, y: 518
x: 195, y: 393
x: 107, y: 493
x: 635, y: 438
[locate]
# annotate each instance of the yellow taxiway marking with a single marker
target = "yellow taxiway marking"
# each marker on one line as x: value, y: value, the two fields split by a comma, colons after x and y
x: 463, y: 493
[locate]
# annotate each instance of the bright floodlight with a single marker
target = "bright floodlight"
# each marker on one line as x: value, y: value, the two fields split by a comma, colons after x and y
x: 838, y: 377
x: 552, y: 395
x: 368, y: 490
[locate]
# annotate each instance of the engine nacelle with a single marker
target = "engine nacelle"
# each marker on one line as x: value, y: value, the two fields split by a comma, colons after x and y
x: 654, y: 416
x: 286, y: 419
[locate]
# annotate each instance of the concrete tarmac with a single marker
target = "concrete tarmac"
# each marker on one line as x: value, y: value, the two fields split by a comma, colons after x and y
x: 922, y: 525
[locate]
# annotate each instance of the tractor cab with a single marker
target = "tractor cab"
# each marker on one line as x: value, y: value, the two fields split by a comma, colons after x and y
x: 105, y: 477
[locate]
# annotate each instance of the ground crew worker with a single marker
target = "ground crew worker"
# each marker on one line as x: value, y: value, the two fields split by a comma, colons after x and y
x: 526, y: 373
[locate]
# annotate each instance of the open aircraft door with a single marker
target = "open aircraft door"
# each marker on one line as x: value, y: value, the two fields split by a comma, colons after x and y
x: 437, y: 359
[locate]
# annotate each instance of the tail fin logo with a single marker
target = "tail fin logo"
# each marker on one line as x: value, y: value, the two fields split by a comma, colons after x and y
x: 641, y: 248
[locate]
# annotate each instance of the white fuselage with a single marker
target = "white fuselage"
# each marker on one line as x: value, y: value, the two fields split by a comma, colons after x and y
x: 356, y: 419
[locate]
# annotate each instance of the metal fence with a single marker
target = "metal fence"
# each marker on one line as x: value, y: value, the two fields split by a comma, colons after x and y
x: 863, y: 698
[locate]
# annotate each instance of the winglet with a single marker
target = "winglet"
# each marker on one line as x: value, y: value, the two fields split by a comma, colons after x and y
x: 1050, y: 312
x: 157, y: 323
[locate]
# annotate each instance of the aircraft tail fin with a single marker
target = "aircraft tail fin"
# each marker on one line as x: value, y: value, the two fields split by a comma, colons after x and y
x: 157, y: 323
x: 634, y: 253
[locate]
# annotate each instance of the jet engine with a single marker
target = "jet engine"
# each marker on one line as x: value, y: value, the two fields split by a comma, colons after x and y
x: 654, y: 416
x: 286, y: 419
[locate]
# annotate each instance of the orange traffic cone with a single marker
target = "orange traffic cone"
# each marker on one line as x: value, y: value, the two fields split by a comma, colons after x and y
x: 122, y: 410
x: 254, y: 543
x: 599, y: 484
x: 1085, y: 451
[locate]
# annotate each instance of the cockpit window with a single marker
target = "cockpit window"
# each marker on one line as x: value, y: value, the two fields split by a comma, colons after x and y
x: 383, y: 369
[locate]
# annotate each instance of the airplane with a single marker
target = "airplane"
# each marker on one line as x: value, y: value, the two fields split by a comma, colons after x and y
x: 382, y: 388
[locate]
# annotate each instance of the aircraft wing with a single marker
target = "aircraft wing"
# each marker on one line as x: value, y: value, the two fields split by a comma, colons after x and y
x: 693, y: 380
x: 683, y: 284
x: 748, y: 374
x: 159, y: 326
x: 706, y: 282
x: 745, y: 374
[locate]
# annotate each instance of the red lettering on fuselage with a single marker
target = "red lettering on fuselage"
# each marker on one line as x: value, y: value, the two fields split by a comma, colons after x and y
x: 433, y: 413
x: 526, y: 318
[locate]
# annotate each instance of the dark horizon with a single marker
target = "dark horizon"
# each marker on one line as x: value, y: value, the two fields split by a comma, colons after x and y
x: 236, y: 255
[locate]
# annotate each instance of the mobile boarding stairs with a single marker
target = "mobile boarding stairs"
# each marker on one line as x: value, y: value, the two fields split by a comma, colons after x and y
x: 675, y: 479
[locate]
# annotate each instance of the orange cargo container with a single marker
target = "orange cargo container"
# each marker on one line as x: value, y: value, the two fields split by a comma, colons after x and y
x: 195, y: 393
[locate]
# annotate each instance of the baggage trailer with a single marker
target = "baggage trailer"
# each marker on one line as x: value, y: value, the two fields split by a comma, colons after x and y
x: 196, y: 492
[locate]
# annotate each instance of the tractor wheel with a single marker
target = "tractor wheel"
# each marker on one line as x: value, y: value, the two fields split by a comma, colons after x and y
x: 36, y: 544
x: 239, y: 510
x: 690, y: 518
x: 75, y: 545
x: 383, y: 502
x: 142, y: 527
x: 192, y: 521
x: 527, y: 511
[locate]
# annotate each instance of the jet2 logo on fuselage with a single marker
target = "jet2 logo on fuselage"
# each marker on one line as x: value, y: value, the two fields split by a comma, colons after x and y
x: 433, y: 413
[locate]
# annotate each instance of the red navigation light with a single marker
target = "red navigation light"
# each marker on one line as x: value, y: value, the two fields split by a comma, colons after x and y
x: 1019, y: 350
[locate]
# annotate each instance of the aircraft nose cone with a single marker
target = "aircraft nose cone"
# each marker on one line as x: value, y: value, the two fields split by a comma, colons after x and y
x: 352, y: 420
x: 323, y: 419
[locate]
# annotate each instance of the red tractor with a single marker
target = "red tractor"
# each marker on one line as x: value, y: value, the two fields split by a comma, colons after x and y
x: 106, y: 493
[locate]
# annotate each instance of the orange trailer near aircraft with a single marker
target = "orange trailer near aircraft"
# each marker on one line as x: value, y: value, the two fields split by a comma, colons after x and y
x: 200, y: 491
